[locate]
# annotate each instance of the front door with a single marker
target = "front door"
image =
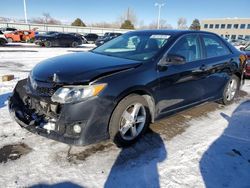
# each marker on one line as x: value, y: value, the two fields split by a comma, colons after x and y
x: 182, y: 84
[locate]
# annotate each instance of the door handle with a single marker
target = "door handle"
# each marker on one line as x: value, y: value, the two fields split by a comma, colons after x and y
x: 200, y: 69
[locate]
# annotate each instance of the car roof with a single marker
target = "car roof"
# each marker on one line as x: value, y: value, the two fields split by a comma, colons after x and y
x: 170, y: 32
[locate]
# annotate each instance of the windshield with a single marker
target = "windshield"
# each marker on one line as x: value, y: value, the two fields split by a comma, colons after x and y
x: 134, y: 46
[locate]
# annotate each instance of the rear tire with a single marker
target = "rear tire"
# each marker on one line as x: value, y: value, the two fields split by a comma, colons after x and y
x: 129, y: 120
x: 231, y: 90
x: 74, y: 44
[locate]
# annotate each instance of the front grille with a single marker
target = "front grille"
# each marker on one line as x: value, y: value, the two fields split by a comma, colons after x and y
x: 45, y: 91
x: 43, y: 88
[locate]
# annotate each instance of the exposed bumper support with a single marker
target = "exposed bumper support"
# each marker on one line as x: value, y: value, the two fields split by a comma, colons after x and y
x: 88, y: 115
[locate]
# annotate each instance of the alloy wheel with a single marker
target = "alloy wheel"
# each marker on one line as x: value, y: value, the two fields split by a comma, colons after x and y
x: 132, y: 121
x: 231, y: 89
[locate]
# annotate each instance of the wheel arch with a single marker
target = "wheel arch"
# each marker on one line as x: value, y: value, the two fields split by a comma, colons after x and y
x: 146, y: 93
x: 238, y: 74
x: 3, y: 41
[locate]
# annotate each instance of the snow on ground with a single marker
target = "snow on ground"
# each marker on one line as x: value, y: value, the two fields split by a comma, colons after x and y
x: 212, y: 151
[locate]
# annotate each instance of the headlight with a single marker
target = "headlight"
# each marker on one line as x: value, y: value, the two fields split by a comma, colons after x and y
x: 69, y: 94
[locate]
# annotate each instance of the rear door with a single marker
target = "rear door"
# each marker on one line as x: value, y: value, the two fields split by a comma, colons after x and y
x: 216, y: 65
x: 64, y: 40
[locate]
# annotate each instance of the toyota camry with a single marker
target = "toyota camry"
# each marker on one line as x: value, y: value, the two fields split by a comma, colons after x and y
x: 116, y: 90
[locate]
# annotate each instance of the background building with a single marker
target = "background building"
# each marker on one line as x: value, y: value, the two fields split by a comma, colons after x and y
x: 232, y: 28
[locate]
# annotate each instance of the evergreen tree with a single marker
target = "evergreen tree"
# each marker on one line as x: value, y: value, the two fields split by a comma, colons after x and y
x: 127, y: 24
x: 195, y: 25
x: 78, y: 22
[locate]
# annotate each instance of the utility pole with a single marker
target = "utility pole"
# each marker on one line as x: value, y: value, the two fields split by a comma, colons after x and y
x: 159, y: 5
x: 25, y: 11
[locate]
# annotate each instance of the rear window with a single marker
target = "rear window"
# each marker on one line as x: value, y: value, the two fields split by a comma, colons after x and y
x: 214, y: 46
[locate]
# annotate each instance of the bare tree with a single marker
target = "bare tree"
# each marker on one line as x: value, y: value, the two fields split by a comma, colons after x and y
x: 153, y: 25
x: 182, y: 23
x: 46, y: 19
x: 130, y: 15
x: 106, y: 24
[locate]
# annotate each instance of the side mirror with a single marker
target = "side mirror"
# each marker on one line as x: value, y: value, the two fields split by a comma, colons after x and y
x: 171, y: 59
x: 174, y: 59
x: 242, y: 49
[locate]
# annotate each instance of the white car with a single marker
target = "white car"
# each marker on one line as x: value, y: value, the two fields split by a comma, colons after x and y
x: 3, y: 40
x: 7, y: 29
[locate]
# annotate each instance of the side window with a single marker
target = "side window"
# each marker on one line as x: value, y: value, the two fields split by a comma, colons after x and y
x: 214, y: 47
x: 188, y: 47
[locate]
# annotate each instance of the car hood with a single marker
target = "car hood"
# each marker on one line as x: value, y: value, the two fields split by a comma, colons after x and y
x: 80, y: 67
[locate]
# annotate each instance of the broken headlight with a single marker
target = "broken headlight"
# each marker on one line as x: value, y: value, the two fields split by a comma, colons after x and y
x: 69, y: 94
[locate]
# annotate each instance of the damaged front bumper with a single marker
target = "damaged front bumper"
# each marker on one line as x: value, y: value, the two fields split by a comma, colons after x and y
x: 79, y: 123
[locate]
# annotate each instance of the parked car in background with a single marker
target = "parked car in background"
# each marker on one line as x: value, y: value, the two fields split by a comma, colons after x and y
x: 60, y: 40
x: 38, y: 37
x: 239, y: 42
x: 107, y: 37
x: 247, y: 52
x: 112, y: 34
x: 90, y: 38
x: 3, y: 40
x: 79, y: 35
x: 47, y: 33
x: 117, y: 89
x: 7, y: 29
x: 20, y: 35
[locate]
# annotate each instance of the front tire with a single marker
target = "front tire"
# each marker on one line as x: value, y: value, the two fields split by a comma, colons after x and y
x: 48, y: 44
x: 2, y: 42
x: 10, y: 40
x: 129, y: 120
x: 231, y: 90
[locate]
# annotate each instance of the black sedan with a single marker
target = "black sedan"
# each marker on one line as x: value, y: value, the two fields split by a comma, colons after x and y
x: 107, y: 37
x: 59, y: 39
x: 116, y: 90
x: 90, y: 38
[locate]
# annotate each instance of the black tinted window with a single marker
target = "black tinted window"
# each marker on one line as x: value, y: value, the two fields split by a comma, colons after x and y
x: 214, y: 47
x: 223, y: 26
x: 229, y: 26
x: 188, y: 47
x: 243, y: 26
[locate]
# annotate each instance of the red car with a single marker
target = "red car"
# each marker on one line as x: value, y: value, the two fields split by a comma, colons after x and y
x: 247, y: 51
x: 20, y: 35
